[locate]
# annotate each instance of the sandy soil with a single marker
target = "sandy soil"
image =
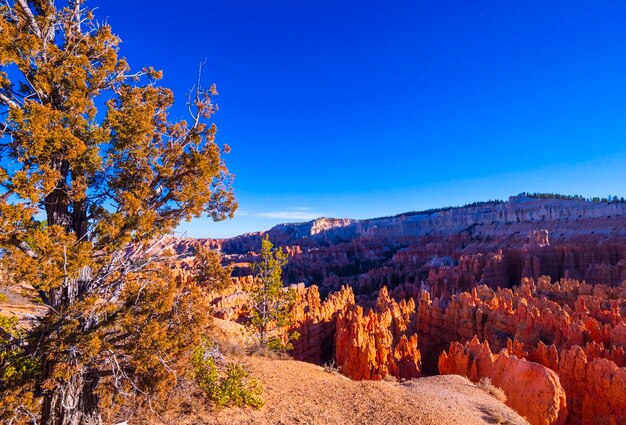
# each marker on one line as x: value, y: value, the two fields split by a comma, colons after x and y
x: 303, y: 393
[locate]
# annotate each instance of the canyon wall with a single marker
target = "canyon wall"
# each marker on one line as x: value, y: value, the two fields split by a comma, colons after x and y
x: 567, y: 338
x: 463, y: 290
x: 566, y: 220
x: 446, y: 251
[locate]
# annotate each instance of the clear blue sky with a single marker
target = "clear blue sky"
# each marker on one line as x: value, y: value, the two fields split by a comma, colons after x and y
x: 368, y: 108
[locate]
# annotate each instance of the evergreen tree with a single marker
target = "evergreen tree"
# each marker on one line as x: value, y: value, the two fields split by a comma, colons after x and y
x: 208, y: 270
x: 109, y: 185
x: 271, y: 302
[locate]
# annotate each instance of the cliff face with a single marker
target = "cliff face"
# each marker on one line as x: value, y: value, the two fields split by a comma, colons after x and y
x: 516, y: 219
x: 448, y: 251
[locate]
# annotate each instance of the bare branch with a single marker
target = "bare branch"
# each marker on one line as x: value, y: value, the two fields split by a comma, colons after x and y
x: 8, y: 101
x: 27, y: 249
x: 31, y: 18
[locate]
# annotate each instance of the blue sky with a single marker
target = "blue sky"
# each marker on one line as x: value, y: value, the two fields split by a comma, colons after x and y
x: 368, y: 108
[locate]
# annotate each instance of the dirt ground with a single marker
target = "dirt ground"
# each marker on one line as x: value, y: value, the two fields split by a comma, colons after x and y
x: 302, y: 393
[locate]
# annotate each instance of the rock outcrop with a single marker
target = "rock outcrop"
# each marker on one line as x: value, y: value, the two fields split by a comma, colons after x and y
x: 533, y: 390
x: 376, y: 344
x: 316, y: 320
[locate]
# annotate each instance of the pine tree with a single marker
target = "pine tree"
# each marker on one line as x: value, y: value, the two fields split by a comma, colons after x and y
x: 271, y: 302
x: 208, y: 270
x: 110, y: 184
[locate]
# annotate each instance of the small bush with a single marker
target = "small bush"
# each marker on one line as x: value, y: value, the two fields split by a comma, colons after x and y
x: 237, y: 389
x: 228, y: 387
x: 278, y: 343
x: 487, y: 386
x: 331, y: 367
x: 3, y: 298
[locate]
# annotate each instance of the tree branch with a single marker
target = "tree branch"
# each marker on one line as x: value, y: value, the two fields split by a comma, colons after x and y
x: 31, y: 18
x: 8, y: 101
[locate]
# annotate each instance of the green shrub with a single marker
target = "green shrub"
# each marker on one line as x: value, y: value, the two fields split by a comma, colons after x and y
x: 231, y: 387
x: 238, y: 389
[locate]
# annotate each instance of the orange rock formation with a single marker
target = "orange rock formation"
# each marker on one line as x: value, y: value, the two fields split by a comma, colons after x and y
x: 573, y: 330
x: 316, y: 321
x: 376, y: 344
x: 534, y: 391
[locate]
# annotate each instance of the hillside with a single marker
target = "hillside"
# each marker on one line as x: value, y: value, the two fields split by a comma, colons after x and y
x: 303, y: 393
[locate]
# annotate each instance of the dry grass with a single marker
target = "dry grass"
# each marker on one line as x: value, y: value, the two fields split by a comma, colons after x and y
x: 390, y: 378
x: 496, y: 417
x: 331, y: 367
x: 268, y: 353
x: 230, y: 348
x: 487, y: 386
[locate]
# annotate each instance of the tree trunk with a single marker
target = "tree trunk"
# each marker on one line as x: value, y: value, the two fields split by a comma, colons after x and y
x: 72, y: 402
x: 56, y: 202
x: 79, y: 219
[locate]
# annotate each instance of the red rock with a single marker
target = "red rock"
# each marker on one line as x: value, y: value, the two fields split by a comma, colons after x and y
x: 534, y: 391
x: 315, y: 321
x: 552, y: 334
x: 596, y: 389
x: 374, y: 345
